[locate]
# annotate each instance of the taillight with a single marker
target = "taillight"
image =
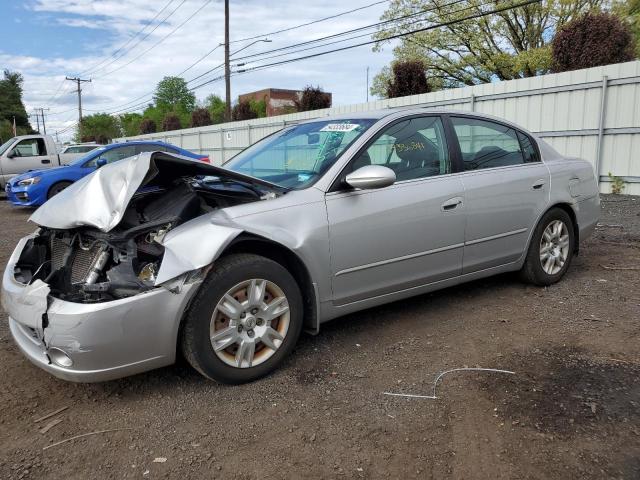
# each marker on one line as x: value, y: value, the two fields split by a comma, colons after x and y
x: 205, y: 159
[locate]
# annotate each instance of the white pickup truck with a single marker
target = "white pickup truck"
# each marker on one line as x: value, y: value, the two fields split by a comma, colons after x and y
x: 34, y: 152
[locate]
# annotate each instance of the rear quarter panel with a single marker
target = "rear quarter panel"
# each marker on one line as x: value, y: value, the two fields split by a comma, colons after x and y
x: 573, y: 182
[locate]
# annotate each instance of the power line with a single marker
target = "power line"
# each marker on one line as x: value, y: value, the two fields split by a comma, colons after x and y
x: 115, y: 59
x: 158, y: 42
x: 310, y: 23
x: 399, y: 35
x: 359, y: 29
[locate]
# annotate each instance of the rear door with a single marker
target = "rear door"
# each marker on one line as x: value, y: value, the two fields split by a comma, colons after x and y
x: 405, y: 235
x: 506, y: 190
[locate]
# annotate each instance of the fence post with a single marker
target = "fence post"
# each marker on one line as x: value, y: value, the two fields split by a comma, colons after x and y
x: 603, y: 108
x: 473, y: 102
x: 221, y: 145
x: 199, y: 143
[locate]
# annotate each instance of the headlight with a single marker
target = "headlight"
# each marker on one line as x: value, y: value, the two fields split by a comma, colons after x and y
x: 29, y: 181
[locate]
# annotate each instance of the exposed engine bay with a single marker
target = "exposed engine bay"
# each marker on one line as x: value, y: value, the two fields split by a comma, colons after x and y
x: 88, y: 265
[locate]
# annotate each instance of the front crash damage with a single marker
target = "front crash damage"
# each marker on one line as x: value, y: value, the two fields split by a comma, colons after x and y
x: 98, y: 291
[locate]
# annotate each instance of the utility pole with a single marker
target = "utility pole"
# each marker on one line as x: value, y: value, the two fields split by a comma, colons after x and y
x: 367, y: 84
x: 227, y: 72
x: 37, y: 122
x: 79, y: 91
x: 44, y: 127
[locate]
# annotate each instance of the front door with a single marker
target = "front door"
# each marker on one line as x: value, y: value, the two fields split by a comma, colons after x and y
x: 27, y: 154
x: 405, y: 235
x: 506, y: 190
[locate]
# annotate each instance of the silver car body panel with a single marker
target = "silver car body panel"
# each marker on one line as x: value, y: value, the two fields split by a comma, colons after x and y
x: 361, y: 248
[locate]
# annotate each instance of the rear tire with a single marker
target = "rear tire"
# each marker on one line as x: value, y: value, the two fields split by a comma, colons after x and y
x: 244, y: 321
x: 551, y: 249
x: 56, y: 188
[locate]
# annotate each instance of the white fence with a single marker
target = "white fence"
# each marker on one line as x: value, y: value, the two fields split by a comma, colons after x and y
x: 592, y: 113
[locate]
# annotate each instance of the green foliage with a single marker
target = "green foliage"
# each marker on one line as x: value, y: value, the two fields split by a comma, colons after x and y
x: 99, y: 127
x: 617, y: 184
x: 504, y: 46
x: 259, y: 107
x: 408, y: 79
x: 11, y: 106
x: 171, y: 122
x: 200, y: 117
x: 243, y: 111
x: 216, y: 107
x: 173, y: 95
x: 130, y: 124
x: 592, y: 40
x: 148, y: 126
x: 312, y: 98
x: 629, y: 11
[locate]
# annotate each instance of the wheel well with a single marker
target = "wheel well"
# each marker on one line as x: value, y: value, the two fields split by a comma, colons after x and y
x: 247, y: 243
x: 576, y: 230
x: 57, y: 183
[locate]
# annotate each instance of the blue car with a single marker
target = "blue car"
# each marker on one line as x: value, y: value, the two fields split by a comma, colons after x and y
x: 35, y: 187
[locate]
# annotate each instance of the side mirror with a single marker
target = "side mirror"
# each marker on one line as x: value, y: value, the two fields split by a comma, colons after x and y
x: 101, y: 162
x: 11, y: 154
x: 371, y: 176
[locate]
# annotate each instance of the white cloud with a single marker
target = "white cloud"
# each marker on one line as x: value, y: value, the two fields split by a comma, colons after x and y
x: 342, y: 73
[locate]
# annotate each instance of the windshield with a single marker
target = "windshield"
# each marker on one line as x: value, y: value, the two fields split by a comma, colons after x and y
x: 298, y: 156
x: 80, y: 161
x: 6, y: 145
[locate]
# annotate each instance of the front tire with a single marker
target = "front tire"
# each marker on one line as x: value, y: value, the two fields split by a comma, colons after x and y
x: 551, y: 249
x: 56, y: 188
x: 244, y: 321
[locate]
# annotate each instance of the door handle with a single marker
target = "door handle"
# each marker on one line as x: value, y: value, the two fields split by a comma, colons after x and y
x: 451, y: 204
x: 538, y: 185
x: 45, y: 160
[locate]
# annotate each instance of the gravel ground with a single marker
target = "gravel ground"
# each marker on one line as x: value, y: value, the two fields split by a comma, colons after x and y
x: 572, y: 409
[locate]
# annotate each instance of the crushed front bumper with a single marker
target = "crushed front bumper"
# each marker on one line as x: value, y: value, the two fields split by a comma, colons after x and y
x: 94, y: 342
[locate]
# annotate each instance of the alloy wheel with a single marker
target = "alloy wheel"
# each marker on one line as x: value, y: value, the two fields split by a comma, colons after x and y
x: 554, y: 247
x: 249, y: 323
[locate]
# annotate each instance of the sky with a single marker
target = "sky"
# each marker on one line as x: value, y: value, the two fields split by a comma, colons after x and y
x: 46, y: 40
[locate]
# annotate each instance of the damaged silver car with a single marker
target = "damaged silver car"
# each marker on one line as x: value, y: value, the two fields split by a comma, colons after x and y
x: 157, y: 255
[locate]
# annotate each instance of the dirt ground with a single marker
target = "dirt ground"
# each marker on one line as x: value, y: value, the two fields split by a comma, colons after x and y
x: 572, y: 409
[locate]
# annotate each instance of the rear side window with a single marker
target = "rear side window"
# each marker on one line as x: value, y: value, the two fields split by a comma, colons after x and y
x: 486, y: 144
x: 155, y: 148
x: 529, y: 151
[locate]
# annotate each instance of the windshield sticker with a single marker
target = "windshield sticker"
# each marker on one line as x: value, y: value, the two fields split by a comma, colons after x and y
x: 339, y: 127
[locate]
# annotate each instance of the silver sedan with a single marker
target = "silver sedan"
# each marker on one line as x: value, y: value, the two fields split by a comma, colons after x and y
x: 157, y: 255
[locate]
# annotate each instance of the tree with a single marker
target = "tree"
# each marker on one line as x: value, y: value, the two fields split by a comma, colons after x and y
x: 99, y: 127
x: 200, y: 117
x: 173, y: 94
x: 11, y: 106
x: 130, y: 124
x: 216, y: 107
x: 504, y: 46
x: 408, y: 79
x: 592, y: 40
x: 171, y: 122
x: 243, y: 111
x: 148, y: 126
x: 312, y: 98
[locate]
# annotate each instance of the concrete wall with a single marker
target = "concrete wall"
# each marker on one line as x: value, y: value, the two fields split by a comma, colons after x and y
x: 592, y: 113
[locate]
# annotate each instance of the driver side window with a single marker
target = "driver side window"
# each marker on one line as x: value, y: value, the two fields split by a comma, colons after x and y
x: 31, y: 147
x: 413, y: 148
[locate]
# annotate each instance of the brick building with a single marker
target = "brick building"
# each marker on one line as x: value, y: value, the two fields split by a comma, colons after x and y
x: 278, y: 100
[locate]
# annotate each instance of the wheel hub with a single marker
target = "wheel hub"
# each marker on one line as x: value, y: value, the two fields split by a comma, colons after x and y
x: 554, y: 247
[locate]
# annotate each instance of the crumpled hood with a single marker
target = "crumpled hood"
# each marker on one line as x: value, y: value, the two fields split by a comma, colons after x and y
x: 99, y: 200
